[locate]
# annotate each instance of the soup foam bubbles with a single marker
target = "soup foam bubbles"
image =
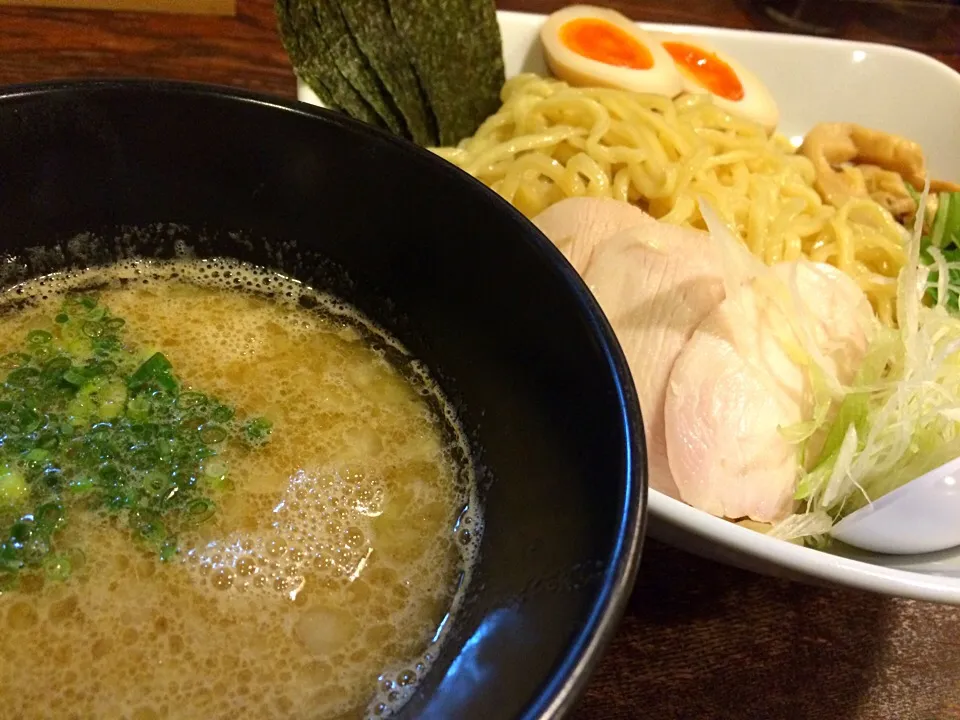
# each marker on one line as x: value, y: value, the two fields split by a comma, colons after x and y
x: 317, y: 588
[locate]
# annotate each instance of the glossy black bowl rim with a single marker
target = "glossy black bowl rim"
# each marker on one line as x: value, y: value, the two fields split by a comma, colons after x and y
x: 570, y: 678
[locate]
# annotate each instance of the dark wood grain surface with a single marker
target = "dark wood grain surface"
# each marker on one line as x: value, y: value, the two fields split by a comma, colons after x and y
x: 699, y: 640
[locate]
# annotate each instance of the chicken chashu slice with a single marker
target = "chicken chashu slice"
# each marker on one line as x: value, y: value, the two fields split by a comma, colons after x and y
x: 655, y: 283
x: 578, y: 225
x: 734, y: 386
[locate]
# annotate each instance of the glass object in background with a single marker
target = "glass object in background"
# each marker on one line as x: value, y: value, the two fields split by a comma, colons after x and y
x: 813, y: 17
x: 909, y: 19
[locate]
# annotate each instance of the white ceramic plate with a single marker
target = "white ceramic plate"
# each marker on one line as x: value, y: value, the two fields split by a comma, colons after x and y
x: 813, y: 80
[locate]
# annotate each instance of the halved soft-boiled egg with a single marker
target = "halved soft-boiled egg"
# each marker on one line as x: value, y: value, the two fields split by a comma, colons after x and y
x: 592, y: 46
x: 733, y: 87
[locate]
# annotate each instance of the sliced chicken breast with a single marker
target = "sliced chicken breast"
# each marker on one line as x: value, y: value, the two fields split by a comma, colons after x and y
x: 656, y: 283
x: 734, y: 386
x: 578, y: 225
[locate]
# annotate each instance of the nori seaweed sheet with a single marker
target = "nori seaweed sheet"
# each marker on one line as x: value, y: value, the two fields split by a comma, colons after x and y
x: 372, y: 27
x: 458, y: 55
x: 288, y: 24
x: 314, y: 64
x: 354, y: 66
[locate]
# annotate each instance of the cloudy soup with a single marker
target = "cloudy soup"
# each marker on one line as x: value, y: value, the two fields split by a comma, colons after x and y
x: 222, y: 495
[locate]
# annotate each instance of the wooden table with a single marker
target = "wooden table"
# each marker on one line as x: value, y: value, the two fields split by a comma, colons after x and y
x: 700, y: 640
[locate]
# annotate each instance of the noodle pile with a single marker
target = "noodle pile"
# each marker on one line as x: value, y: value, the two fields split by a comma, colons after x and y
x: 550, y: 141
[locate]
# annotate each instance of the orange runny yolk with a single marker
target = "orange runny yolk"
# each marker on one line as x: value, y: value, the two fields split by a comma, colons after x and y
x: 604, y: 42
x: 707, y: 69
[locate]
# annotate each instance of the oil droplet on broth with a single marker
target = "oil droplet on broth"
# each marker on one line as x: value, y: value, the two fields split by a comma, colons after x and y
x: 331, y: 562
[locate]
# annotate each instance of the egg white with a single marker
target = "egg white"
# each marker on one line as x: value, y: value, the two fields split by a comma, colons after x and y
x: 757, y: 103
x: 661, y: 79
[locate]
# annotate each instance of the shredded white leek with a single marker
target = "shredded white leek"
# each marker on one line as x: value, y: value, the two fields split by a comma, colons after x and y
x: 796, y: 333
x: 898, y: 419
x: 901, y: 417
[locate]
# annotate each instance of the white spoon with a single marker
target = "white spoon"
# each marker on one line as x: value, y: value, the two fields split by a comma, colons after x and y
x: 920, y: 517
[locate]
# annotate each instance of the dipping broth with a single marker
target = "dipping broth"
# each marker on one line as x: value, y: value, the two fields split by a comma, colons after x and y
x: 292, y: 549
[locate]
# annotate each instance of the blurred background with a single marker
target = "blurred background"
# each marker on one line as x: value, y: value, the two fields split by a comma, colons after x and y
x: 235, y: 42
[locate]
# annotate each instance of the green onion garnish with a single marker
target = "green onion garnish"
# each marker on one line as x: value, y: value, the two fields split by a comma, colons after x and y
x: 87, y: 423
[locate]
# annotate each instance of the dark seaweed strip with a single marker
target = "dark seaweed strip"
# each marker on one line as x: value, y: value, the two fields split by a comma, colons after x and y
x: 377, y: 37
x: 314, y: 63
x: 354, y: 66
x: 289, y: 23
x: 458, y: 55
x: 344, y: 96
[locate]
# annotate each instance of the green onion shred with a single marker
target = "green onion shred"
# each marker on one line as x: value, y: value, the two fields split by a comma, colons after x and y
x: 88, y: 423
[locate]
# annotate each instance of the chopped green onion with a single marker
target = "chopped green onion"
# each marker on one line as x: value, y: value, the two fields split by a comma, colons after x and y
x: 138, y: 407
x: 81, y: 485
x: 117, y: 501
x: 945, y: 234
x: 258, y: 430
x: 48, y: 441
x: 201, y: 510
x: 216, y: 469
x: 10, y: 555
x: 104, y: 367
x: 49, y: 518
x: 22, y: 376
x: 14, y: 360
x: 39, y: 337
x: 57, y: 365
x: 147, y: 524
x: 212, y: 434
x: 938, y: 228
x: 87, y: 423
x: 222, y: 414
x: 57, y: 567
x: 191, y: 399
x: 93, y: 329
x: 13, y: 487
x: 155, y: 373
x: 110, y: 476
x: 37, y: 455
x: 29, y: 420
x: 35, y: 549
x: 75, y: 376
x: 168, y: 551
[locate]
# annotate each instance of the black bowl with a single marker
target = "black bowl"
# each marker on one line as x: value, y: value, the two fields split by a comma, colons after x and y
x: 94, y: 171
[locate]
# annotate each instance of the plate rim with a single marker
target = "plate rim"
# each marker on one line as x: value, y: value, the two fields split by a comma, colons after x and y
x: 767, y: 35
